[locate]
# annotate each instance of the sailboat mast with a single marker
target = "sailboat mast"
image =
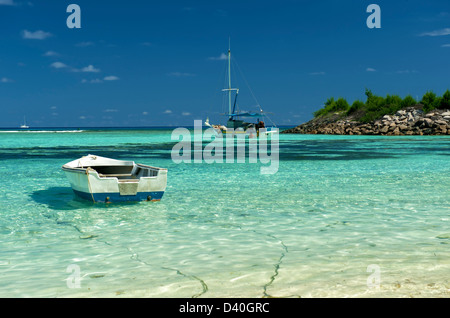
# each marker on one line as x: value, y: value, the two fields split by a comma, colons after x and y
x: 229, y: 81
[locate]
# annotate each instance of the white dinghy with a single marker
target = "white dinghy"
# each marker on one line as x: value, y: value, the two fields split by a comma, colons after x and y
x: 101, y: 179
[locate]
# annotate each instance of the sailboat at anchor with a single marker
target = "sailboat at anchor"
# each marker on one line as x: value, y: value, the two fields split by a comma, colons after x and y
x: 24, y: 125
x: 236, y: 123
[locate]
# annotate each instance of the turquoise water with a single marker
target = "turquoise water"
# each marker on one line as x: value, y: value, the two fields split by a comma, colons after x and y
x: 340, y: 210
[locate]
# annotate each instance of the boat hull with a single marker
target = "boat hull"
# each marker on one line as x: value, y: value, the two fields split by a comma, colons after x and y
x: 88, y: 184
x: 107, y: 197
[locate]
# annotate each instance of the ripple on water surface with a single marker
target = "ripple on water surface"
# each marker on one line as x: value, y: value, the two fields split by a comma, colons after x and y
x: 338, y: 210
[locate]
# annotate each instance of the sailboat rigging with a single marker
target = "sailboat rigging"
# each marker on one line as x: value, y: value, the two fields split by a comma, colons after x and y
x: 235, y: 122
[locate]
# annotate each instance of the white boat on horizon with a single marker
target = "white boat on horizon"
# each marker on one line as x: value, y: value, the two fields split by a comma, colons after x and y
x: 24, y: 125
x: 101, y: 179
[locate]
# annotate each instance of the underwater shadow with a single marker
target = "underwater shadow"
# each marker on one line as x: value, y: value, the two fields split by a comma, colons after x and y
x: 60, y: 198
x: 63, y: 198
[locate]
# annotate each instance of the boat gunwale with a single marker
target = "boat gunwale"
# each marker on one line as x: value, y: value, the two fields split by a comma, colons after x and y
x: 103, y: 176
x: 67, y: 167
x: 146, y: 166
x: 74, y: 169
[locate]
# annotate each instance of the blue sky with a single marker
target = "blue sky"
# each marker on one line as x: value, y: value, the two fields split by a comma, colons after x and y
x: 157, y: 63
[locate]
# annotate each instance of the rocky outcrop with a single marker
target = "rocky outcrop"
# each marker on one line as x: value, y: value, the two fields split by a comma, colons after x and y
x: 408, y: 121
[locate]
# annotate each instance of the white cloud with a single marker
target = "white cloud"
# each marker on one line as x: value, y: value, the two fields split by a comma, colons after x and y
x: 51, y: 53
x: 445, y: 45
x: 98, y: 80
x: 58, y: 65
x: 185, y: 114
x: 87, y: 69
x: 440, y: 32
x: 111, y: 78
x: 369, y: 69
x: 6, y: 80
x: 37, y: 35
x: 90, y: 69
x: 179, y: 74
x: 145, y: 113
x: 111, y: 110
x: 167, y: 111
x: 7, y: 3
x: 222, y: 57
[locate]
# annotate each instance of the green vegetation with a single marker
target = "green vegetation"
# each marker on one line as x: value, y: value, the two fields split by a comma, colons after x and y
x: 332, y: 106
x: 430, y: 101
x: 376, y: 107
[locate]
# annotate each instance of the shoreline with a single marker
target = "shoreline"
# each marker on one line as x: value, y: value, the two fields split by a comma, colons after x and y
x: 405, y: 122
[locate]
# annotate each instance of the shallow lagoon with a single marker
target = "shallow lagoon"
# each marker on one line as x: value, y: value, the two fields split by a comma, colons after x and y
x: 344, y: 216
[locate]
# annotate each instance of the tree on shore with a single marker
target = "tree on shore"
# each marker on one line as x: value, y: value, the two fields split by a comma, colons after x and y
x: 377, y: 106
